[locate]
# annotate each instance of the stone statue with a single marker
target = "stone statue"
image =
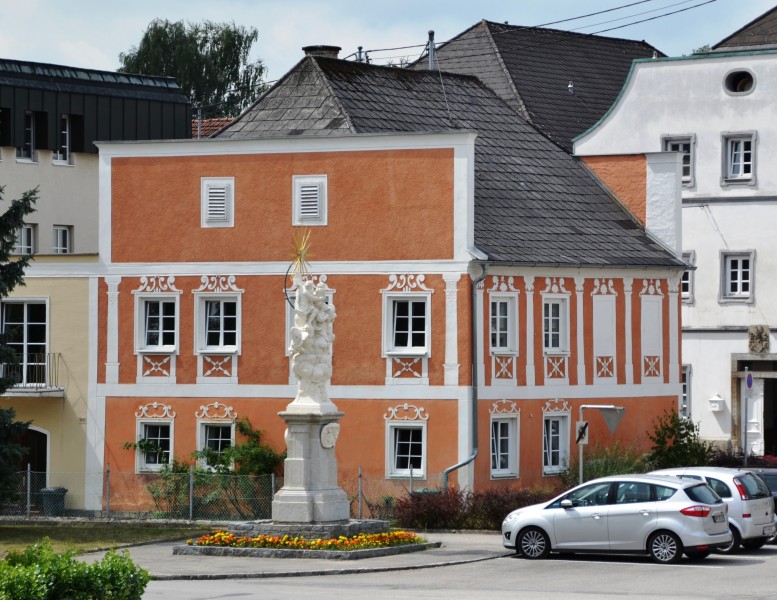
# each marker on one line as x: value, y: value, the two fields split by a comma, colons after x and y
x: 311, y: 346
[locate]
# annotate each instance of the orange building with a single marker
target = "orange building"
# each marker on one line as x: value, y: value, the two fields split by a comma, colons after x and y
x: 486, y: 285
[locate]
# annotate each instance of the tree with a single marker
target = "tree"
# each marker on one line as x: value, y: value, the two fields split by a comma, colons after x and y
x: 676, y: 443
x: 11, y: 275
x: 208, y: 60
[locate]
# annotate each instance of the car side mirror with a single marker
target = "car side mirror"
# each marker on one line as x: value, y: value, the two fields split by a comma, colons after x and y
x: 566, y: 504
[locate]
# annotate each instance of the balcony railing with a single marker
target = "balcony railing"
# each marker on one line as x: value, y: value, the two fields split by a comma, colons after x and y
x: 34, y: 372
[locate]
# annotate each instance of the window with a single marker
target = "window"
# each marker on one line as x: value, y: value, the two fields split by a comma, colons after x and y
x: 24, y: 326
x: 309, y: 200
x: 554, y: 324
x: 684, y: 410
x: 220, y: 323
x: 155, y: 446
x: 409, y: 325
x: 217, y: 202
x: 215, y: 438
x: 407, y: 450
x: 504, y: 447
x: 738, y: 83
x: 63, y: 239
x: 739, y: 158
x: 555, y: 443
x: 62, y: 152
x: 686, y: 283
x: 26, y: 239
x: 27, y: 149
x: 737, y: 276
x: 684, y: 145
x: 503, y: 325
x: 159, y: 331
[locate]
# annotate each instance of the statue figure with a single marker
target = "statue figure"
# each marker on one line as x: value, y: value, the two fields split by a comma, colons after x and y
x: 311, y: 343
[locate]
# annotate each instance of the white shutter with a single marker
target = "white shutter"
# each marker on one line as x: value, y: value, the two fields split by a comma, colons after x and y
x: 309, y: 201
x: 218, y: 203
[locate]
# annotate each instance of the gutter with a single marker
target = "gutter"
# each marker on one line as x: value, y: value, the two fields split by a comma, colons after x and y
x: 475, y: 375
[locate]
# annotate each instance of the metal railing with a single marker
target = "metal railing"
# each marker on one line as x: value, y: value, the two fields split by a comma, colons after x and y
x: 34, y: 371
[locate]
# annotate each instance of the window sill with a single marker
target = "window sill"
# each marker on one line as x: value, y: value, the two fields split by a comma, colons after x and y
x: 416, y: 476
x: 736, y: 300
x: 496, y: 476
x: 551, y: 352
x: 408, y: 352
x: 28, y: 161
x: 726, y: 181
x: 160, y: 350
x: 61, y: 163
x: 222, y: 351
x: 495, y: 352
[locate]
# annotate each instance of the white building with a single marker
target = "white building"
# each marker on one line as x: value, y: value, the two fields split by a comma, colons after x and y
x: 717, y: 110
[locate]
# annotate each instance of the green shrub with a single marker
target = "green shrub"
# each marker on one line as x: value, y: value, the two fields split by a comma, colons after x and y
x: 729, y: 458
x: 676, y: 443
x: 37, y: 573
x: 462, y: 509
x: 600, y: 461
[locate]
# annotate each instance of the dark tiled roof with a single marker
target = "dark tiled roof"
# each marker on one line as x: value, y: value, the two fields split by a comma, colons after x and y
x: 531, y: 67
x: 534, y: 203
x: 758, y: 33
x: 61, y: 78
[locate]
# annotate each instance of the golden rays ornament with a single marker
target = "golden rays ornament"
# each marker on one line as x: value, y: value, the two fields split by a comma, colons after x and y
x: 302, y: 253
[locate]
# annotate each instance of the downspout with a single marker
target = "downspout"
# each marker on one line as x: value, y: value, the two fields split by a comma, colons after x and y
x: 475, y: 376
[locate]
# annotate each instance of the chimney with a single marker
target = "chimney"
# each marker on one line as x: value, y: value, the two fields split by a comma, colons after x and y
x: 326, y: 51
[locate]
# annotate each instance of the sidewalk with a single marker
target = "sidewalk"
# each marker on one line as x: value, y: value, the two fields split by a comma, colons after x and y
x: 456, y: 548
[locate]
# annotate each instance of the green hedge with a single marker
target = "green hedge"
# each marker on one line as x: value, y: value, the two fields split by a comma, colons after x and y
x: 38, y: 573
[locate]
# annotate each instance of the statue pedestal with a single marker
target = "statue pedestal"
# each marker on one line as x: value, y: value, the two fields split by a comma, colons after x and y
x: 310, y: 493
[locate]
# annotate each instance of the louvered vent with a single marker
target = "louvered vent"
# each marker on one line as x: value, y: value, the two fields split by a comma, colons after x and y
x: 309, y: 201
x: 218, y: 209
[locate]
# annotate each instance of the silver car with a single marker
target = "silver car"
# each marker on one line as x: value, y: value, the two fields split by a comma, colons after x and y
x: 750, y: 503
x: 661, y: 516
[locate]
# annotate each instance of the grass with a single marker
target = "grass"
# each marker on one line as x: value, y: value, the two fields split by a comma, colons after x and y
x: 84, y: 537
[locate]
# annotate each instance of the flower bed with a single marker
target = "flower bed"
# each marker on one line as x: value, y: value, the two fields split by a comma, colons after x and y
x: 363, y: 541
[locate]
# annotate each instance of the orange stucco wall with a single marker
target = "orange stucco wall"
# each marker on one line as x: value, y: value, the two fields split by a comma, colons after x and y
x: 380, y: 206
x: 626, y: 176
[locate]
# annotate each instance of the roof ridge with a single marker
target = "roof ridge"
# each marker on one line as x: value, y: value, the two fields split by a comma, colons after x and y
x: 346, y: 116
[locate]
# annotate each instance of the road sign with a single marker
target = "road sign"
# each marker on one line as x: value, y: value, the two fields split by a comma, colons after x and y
x: 582, y: 433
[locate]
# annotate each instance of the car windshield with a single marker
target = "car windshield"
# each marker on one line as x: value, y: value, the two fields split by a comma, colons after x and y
x: 755, y: 487
x: 702, y: 493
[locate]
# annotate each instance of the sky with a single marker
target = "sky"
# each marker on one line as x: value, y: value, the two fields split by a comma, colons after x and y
x: 92, y: 33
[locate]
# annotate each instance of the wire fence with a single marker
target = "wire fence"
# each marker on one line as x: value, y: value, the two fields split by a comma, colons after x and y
x: 194, y: 495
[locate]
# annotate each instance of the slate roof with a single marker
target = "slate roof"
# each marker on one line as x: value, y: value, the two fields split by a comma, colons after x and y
x: 760, y: 33
x: 531, y: 67
x: 534, y: 203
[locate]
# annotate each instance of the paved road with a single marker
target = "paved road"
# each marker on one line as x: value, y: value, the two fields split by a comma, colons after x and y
x: 749, y: 576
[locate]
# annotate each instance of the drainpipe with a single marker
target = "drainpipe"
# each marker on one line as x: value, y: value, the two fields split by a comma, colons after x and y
x: 475, y: 376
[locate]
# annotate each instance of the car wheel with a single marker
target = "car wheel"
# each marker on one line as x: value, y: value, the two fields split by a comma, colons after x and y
x: 736, y: 541
x: 697, y: 554
x: 533, y: 543
x: 665, y: 547
x: 754, y: 543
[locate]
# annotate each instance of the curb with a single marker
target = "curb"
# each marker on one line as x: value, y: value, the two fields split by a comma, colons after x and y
x: 293, y: 553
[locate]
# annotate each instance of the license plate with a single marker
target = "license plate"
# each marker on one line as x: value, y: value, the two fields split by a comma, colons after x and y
x: 769, y: 530
x: 720, y: 517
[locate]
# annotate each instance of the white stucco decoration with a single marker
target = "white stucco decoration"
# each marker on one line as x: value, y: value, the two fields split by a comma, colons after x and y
x: 329, y: 434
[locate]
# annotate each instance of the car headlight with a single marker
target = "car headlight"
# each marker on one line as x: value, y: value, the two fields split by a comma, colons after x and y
x: 511, y: 517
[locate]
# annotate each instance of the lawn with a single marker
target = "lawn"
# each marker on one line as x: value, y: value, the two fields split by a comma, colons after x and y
x: 84, y: 537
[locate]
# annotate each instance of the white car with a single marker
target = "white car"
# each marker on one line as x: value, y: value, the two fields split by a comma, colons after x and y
x: 750, y: 503
x: 660, y: 516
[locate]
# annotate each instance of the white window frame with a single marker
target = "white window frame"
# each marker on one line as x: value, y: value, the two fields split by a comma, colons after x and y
x: 63, y: 239
x: 684, y: 407
x: 392, y: 428
x: 563, y: 438
x: 26, y: 358
x: 61, y: 155
x: 202, y: 440
x: 508, y: 424
x: 687, y: 280
x: 141, y: 302
x: 562, y: 301
x: 389, y: 334
x: 27, y: 152
x: 738, y: 295
x: 28, y: 233
x: 309, y: 200
x: 673, y: 143
x: 140, y: 457
x: 733, y: 145
x: 510, y: 303
x: 215, y: 191
x: 201, y: 320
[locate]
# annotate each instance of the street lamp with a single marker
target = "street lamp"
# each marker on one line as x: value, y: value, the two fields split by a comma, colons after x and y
x: 612, y: 416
